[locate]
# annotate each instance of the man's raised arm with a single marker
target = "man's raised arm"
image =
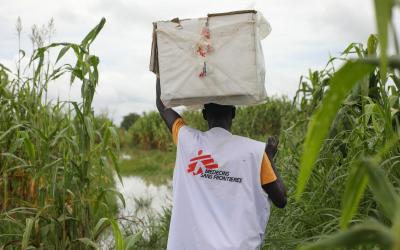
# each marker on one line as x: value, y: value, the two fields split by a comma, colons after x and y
x: 169, y: 115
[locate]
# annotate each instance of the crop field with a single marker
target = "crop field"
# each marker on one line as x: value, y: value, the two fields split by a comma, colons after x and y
x: 339, y: 153
x: 54, y: 155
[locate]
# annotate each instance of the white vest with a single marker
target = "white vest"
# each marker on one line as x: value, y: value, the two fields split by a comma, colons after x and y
x: 218, y: 201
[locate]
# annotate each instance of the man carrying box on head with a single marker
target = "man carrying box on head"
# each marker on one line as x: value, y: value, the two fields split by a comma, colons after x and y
x: 222, y: 183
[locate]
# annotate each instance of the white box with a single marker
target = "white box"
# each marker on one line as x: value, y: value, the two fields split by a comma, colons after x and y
x: 226, y: 67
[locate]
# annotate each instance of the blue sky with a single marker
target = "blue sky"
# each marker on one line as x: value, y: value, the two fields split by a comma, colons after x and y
x: 304, y: 34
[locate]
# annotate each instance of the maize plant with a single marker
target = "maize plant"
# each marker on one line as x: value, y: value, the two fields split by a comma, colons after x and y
x: 364, y: 93
x: 56, y: 158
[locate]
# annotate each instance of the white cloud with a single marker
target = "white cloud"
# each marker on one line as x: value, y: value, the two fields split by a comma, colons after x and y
x: 304, y: 34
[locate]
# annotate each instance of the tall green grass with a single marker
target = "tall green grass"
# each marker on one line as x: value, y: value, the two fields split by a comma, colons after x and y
x: 56, y: 157
x: 149, y: 131
x: 350, y: 141
x: 376, y: 128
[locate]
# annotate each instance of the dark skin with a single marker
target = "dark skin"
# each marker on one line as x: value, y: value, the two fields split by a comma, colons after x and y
x: 276, y: 190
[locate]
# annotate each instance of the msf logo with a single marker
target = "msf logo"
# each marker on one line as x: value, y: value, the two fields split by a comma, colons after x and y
x: 200, y: 163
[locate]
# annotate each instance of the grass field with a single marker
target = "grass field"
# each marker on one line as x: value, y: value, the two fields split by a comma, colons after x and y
x: 57, y: 158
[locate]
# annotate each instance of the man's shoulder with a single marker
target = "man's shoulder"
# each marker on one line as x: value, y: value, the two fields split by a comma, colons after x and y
x: 190, y: 130
x: 188, y: 133
x: 248, y: 141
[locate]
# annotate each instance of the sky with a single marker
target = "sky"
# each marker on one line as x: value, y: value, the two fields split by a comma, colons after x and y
x: 304, y: 34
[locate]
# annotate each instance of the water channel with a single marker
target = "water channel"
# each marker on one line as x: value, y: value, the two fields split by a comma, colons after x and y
x: 143, y: 201
x: 142, y: 198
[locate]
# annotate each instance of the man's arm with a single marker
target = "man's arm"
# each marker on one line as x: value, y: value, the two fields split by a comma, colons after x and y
x: 276, y: 190
x: 168, y: 115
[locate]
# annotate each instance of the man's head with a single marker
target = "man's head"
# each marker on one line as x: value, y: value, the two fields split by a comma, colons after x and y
x: 219, y: 115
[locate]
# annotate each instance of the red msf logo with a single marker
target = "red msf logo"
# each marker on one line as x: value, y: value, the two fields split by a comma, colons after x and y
x: 207, y: 162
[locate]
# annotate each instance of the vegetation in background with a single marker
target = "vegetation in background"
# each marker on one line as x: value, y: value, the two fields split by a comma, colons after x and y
x: 154, y: 166
x: 128, y: 120
x: 376, y: 126
x: 318, y: 212
x: 151, y: 234
x: 56, y: 181
x: 150, y: 132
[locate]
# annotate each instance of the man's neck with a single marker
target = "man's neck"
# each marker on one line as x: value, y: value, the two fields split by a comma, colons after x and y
x: 220, y: 124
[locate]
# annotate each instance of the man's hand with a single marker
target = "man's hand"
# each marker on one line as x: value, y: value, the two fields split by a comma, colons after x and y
x: 272, y: 147
x: 169, y: 115
x: 276, y: 190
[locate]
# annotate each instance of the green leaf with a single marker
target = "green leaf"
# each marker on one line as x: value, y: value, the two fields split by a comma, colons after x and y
x: 89, y: 128
x: 368, y: 112
x: 132, y: 240
x: 93, y: 34
x: 119, y: 194
x: 78, y: 111
x: 355, y: 187
x: 340, y: 85
x: 365, y: 233
x: 15, y: 158
x: 372, y: 45
x: 114, y: 136
x: 383, y: 14
x: 30, y: 149
x: 2, y: 67
x: 3, y: 135
x: 393, y: 61
x: 361, y: 174
x: 40, y: 55
x: 114, y: 160
x: 62, y: 52
x: 100, y: 226
x: 383, y: 191
x: 23, y: 53
x: 119, y: 239
x: 88, y: 242
x: 106, y: 137
x: 27, y: 233
x: 93, y: 60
